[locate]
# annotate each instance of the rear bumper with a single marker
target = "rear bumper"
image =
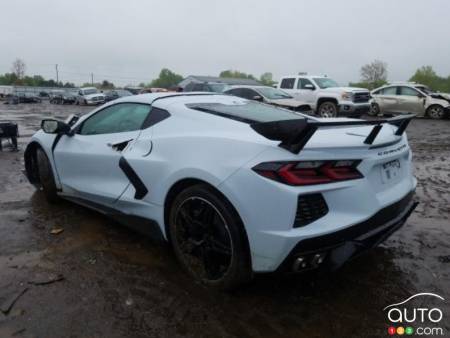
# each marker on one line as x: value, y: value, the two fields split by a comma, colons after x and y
x: 331, y: 251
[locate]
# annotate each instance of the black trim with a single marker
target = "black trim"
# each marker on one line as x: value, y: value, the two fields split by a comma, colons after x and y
x: 344, y: 244
x: 155, y: 116
x: 141, y: 189
x: 142, y: 225
x: 294, y: 134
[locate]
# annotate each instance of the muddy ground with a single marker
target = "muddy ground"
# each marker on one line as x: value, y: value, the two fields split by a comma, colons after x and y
x: 115, y: 283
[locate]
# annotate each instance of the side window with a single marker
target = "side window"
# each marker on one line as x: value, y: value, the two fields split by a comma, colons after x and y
x: 235, y: 92
x: 287, y: 83
x: 408, y: 91
x: 389, y: 91
x: 302, y: 83
x: 118, y: 118
x: 248, y: 93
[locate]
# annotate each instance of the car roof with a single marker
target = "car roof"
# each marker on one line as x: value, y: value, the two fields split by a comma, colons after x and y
x: 248, y: 86
x: 150, y: 98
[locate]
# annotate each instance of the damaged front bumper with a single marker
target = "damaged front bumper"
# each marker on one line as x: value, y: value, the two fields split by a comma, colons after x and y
x: 331, y: 251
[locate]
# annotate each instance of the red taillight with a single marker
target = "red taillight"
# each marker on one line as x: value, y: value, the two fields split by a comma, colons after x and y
x: 310, y: 172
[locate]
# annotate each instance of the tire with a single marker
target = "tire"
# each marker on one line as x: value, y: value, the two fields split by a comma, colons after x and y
x: 374, y: 109
x: 85, y: 102
x: 46, y: 177
x: 436, y: 112
x: 215, y: 252
x: 328, y: 109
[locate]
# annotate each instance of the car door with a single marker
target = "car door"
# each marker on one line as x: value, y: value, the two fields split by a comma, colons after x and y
x: 387, y: 99
x: 287, y: 84
x: 87, y: 163
x: 410, y: 101
x: 305, y: 90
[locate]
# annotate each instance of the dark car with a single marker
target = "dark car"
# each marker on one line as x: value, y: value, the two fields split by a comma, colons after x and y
x: 23, y: 98
x: 214, y: 87
x: 115, y: 94
x: 63, y: 98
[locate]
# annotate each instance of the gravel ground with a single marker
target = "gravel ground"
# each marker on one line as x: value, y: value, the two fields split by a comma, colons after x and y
x: 107, y: 281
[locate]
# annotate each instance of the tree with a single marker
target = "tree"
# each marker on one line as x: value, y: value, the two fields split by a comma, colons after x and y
x: 166, y: 79
x: 374, y: 72
x: 236, y: 74
x: 18, y: 68
x: 427, y: 76
x: 267, y: 79
x: 107, y: 85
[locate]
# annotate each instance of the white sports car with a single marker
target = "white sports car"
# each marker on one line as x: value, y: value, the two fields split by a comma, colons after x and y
x: 237, y: 187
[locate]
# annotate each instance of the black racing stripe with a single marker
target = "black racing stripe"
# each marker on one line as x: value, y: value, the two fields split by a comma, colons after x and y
x: 141, y: 189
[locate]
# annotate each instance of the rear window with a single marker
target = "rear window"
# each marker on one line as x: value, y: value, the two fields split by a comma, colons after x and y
x: 248, y: 112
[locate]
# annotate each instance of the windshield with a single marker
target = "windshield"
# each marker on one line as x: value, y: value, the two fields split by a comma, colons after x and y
x: 273, y: 93
x: 325, y: 82
x: 217, y: 87
x: 247, y: 112
x: 424, y: 89
x: 90, y: 91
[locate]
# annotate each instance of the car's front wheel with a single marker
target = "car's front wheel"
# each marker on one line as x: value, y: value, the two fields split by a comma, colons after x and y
x: 46, y: 177
x: 208, y: 238
x: 374, y: 109
x: 328, y: 109
x: 436, y: 112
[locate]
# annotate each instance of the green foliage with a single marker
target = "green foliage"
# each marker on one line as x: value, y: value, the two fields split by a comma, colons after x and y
x: 427, y: 76
x: 368, y: 85
x: 166, y: 79
x: 34, y: 81
x: 267, y: 79
x: 236, y: 74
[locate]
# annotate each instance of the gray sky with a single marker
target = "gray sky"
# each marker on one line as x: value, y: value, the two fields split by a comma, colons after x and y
x: 130, y: 41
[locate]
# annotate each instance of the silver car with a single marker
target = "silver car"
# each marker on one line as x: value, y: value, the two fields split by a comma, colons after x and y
x: 409, y: 98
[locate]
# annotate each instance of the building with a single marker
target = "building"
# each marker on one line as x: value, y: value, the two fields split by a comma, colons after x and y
x: 215, y: 79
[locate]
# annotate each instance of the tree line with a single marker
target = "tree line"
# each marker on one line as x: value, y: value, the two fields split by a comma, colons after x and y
x: 372, y: 75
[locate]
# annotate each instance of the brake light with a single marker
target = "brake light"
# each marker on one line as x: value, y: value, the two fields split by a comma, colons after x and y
x: 309, y: 172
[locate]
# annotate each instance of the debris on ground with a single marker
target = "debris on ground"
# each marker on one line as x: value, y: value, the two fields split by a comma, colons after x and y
x: 7, y: 305
x: 444, y: 259
x: 47, y: 280
x: 56, y: 231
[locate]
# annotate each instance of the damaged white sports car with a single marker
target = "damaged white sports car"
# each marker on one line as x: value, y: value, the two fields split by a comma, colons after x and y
x: 235, y: 186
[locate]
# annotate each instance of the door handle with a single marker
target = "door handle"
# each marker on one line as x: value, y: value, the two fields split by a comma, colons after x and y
x: 119, y: 146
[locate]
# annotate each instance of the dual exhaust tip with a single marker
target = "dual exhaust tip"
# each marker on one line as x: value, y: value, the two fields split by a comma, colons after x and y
x: 302, y: 263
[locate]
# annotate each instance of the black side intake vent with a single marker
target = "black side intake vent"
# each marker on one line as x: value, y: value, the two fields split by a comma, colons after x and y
x: 309, y: 209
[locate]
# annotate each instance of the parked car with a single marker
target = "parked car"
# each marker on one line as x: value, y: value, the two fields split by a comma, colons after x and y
x: 236, y: 186
x: 215, y: 87
x: 134, y: 90
x: 115, y: 94
x: 407, y: 97
x: 25, y: 97
x: 271, y: 96
x: 90, y: 96
x: 64, y: 97
x: 325, y: 96
x: 153, y: 90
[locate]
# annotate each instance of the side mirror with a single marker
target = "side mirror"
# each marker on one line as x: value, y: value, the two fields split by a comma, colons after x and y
x: 55, y: 127
x: 258, y: 98
x: 309, y: 86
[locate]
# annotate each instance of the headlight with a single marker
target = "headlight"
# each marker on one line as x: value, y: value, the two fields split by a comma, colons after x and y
x: 346, y: 95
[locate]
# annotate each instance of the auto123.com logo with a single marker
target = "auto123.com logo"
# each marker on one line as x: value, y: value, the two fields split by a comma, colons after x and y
x: 418, y: 315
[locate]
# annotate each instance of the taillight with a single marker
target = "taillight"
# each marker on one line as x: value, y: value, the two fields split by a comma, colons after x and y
x: 309, y: 172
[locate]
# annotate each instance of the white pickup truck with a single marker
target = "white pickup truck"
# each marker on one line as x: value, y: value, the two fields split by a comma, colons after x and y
x: 325, y: 96
x: 90, y: 96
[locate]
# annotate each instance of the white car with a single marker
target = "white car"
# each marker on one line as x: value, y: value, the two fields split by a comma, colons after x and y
x: 235, y: 186
x: 325, y: 96
x: 398, y: 98
x: 90, y: 96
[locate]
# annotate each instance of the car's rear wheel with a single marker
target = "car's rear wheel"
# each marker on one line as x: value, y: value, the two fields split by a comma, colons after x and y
x: 46, y: 176
x: 328, y: 109
x: 374, y: 109
x: 208, y: 238
x: 436, y: 112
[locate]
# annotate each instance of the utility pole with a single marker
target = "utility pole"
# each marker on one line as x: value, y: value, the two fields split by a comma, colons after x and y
x: 57, y: 75
x: 92, y: 78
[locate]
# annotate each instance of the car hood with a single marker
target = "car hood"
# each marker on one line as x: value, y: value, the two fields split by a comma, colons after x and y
x: 345, y: 89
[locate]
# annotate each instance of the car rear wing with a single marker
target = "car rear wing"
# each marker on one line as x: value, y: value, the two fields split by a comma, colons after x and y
x: 295, y: 134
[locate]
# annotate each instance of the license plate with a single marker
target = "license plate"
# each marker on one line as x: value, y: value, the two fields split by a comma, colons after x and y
x: 390, y: 171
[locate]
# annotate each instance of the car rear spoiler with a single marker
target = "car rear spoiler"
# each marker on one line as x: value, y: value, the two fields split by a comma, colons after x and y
x: 294, y: 134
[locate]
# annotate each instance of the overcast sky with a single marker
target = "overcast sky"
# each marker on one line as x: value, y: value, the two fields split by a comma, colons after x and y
x: 130, y: 41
